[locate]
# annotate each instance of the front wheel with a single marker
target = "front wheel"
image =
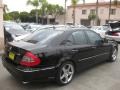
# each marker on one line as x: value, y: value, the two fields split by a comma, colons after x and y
x: 114, y: 54
x: 65, y: 73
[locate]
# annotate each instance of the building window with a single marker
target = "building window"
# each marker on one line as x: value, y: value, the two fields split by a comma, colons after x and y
x: 92, y: 11
x: 113, y: 11
x: 84, y: 11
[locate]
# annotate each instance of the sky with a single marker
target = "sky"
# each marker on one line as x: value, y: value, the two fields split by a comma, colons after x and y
x: 20, y: 5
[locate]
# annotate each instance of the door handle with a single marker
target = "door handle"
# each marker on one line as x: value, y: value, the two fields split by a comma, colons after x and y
x: 74, y: 50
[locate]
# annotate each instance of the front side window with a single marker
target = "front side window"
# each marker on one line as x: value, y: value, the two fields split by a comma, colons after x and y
x: 93, y: 37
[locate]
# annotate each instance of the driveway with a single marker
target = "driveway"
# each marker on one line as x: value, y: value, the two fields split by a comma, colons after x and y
x: 105, y: 76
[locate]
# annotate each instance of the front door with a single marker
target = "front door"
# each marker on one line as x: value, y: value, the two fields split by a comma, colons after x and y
x: 78, y: 49
x: 100, y: 50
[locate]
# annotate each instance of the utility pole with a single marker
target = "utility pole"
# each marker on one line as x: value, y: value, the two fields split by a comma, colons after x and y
x: 36, y: 16
x: 109, y: 10
x: 97, y: 12
x: 65, y: 13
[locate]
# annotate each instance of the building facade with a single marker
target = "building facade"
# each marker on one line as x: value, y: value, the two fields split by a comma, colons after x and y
x: 1, y: 26
x: 83, y: 12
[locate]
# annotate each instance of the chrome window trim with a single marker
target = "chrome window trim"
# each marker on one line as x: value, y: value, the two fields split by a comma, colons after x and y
x: 93, y: 56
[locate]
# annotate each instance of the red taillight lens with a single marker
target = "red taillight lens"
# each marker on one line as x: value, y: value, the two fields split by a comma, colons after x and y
x: 30, y: 60
x: 115, y: 34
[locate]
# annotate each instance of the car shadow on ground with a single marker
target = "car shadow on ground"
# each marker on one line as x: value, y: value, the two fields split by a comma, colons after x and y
x: 78, y: 82
x: 50, y: 84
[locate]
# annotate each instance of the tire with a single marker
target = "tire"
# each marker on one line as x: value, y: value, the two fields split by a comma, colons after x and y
x: 113, y: 55
x: 65, y: 73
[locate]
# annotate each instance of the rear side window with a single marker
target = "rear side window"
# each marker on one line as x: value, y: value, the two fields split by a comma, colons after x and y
x: 93, y: 37
x: 43, y: 36
x: 79, y: 38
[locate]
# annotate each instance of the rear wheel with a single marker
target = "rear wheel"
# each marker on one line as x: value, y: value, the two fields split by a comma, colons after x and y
x: 114, y: 54
x: 65, y: 73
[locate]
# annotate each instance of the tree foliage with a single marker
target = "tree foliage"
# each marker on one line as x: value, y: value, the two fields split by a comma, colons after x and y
x: 7, y: 17
x: 92, y: 16
x: 34, y: 3
x: 44, y: 9
x: 14, y: 15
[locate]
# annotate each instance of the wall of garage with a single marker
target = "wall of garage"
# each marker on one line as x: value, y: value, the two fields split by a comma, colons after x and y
x: 1, y: 26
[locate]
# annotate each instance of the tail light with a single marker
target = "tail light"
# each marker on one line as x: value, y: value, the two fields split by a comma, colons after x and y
x: 30, y: 60
x: 115, y: 34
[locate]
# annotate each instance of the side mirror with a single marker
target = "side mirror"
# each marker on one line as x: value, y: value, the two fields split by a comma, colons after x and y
x: 99, y: 42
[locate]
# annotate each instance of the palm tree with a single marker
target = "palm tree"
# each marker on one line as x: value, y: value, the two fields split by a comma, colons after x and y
x: 83, y: 1
x: 44, y: 5
x: 92, y: 17
x: 109, y: 10
x: 65, y: 13
x: 115, y: 2
x: 36, y: 4
x: 97, y: 2
x: 5, y: 8
x: 74, y: 3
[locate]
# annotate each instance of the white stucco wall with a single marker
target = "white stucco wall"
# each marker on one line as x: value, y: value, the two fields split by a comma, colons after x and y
x: 103, y: 12
x: 1, y: 26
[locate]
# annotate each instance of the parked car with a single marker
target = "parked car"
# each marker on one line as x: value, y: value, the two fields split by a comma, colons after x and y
x: 15, y: 31
x: 57, y: 54
x: 33, y: 27
x: 24, y: 25
x: 82, y: 26
x: 101, y: 30
x: 114, y: 34
x: 59, y: 27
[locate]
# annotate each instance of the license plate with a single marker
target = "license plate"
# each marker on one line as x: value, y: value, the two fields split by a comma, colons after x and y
x: 11, y: 55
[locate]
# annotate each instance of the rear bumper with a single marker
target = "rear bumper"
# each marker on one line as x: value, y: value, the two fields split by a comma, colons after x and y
x: 29, y: 74
x: 116, y: 38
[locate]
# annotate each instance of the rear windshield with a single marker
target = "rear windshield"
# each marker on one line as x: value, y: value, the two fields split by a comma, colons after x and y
x: 14, y: 29
x: 42, y: 37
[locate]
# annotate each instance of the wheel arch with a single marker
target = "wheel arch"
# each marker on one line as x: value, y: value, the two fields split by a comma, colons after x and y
x: 67, y: 60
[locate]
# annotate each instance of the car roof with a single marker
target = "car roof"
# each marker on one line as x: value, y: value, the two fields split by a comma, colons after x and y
x: 63, y: 28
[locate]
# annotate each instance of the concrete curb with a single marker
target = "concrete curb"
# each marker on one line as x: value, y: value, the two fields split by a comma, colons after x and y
x: 1, y: 52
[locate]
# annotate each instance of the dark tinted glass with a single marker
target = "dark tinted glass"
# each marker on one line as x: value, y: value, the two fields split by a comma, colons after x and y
x: 43, y: 36
x: 93, y: 37
x: 79, y: 38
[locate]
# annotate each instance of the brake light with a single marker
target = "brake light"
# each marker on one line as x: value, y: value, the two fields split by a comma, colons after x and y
x: 30, y: 60
x: 115, y: 34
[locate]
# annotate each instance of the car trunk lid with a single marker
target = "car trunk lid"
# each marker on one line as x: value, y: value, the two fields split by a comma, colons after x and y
x: 15, y: 51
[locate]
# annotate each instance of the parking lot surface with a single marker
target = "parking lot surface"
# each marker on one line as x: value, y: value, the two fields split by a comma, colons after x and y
x: 105, y: 76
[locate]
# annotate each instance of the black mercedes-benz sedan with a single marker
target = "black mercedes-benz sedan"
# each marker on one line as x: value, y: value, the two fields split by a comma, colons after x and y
x: 56, y: 54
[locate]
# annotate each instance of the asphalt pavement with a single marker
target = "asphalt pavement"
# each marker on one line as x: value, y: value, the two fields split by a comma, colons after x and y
x: 105, y: 76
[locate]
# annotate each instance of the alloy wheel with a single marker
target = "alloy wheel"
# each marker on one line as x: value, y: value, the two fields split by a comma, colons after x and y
x: 114, y: 54
x: 66, y: 73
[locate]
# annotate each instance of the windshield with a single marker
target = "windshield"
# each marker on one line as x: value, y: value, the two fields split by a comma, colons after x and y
x: 42, y: 37
x: 13, y: 26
